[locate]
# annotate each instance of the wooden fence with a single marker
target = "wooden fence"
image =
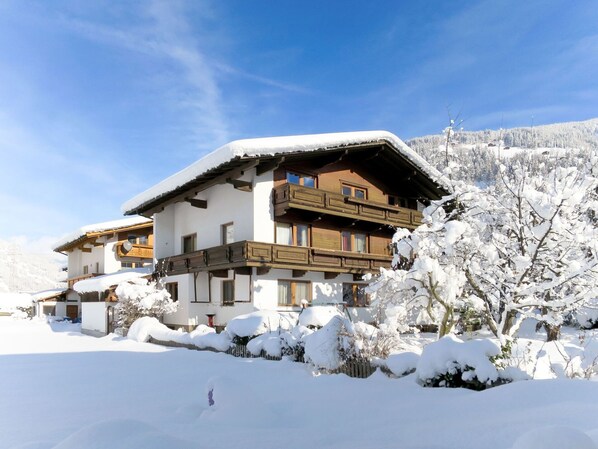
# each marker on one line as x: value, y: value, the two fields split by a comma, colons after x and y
x: 353, y: 368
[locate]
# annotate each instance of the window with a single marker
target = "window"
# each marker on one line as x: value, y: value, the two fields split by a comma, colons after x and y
x: 292, y: 293
x: 189, y: 243
x: 97, y: 268
x: 173, y: 289
x: 85, y: 269
x: 137, y: 239
x: 228, y: 292
x: 228, y: 233
x: 353, y: 241
x: 356, y: 192
x: 303, y: 180
x: 354, y: 295
x: 289, y: 234
x: 394, y: 200
x: 131, y: 264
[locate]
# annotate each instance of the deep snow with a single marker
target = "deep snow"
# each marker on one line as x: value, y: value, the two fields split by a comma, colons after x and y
x: 64, y: 390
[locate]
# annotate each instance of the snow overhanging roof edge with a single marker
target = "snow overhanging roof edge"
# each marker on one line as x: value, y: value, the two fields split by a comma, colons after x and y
x: 250, y: 149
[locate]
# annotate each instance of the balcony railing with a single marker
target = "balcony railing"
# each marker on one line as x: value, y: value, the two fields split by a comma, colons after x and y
x: 137, y: 250
x: 293, y: 196
x: 72, y: 281
x: 270, y: 255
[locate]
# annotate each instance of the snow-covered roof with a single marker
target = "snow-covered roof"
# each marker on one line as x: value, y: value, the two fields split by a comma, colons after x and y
x: 46, y: 294
x: 99, y: 228
x: 102, y: 283
x: 271, y: 146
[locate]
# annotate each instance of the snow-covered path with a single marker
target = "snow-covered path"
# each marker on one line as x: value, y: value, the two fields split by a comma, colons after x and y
x: 64, y: 390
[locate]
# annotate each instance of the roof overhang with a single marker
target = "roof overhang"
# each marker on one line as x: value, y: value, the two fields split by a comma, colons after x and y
x: 383, y: 154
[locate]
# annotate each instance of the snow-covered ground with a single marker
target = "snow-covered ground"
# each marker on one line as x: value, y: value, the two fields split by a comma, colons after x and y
x: 64, y: 390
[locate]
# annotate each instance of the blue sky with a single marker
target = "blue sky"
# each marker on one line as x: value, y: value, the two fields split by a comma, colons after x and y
x: 100, y: 100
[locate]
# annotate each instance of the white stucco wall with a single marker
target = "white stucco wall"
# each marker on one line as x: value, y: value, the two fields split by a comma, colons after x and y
x: 93, y: 317
x: 263, y: 209
x: 164, y: 232
x: 250, y: 212
x: 101, y: 259
x: 110, y: 259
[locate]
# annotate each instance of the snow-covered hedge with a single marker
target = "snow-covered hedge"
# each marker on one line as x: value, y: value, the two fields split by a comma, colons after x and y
x: 203, y: 337
x: 258, y: 323
x: 452, y: 362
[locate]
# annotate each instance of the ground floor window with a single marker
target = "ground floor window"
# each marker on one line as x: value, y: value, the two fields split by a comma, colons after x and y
x: 228, y: 292
x: 292, y: 293
x: 173, y: 289
x: 354, y: 295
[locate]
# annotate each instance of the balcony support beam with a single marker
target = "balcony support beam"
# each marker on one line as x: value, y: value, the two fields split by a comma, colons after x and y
x: 200, y: 204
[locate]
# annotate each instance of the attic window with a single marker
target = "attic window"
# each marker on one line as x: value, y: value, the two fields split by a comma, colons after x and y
x: 301, y: 179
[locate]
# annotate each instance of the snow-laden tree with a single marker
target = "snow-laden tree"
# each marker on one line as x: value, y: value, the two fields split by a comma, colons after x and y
x: 526, y: 246
x: 138, y: 298
x: 428, y: 283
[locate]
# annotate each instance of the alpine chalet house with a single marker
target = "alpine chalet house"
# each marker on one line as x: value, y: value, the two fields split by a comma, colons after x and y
x: 98, y: 252
x: 277, y: 223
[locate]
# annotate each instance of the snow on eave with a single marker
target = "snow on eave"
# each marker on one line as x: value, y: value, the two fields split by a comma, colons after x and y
x: 107, y: 226
x: 47, y: 294
x: 272, y: 146
x: 103, y: 283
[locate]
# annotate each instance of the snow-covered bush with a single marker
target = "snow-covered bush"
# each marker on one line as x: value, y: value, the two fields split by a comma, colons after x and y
x: 244, y: 327
x: 141, y: 298
x: 452, y: 363
x: 318, y: 316
x: 341, y: 341
x: 402, y: 363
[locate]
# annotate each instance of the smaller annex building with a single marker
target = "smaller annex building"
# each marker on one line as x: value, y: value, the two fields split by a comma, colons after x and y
x: 102, y: 249
x: 284, y: 222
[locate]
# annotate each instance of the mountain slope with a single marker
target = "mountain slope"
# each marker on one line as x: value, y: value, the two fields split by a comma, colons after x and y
x: 478, y: 154
x: 26, y: 272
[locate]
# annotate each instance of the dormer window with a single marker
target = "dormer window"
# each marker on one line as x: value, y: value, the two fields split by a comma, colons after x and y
x: 301, y: 179
x: 354, y: 191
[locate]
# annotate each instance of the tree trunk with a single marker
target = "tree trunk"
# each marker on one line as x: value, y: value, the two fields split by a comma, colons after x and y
x: 447, y: 322
x: 509, y: 322
x: 552, y: 332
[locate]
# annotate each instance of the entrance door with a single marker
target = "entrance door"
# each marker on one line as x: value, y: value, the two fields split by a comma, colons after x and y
x: 72, y: 311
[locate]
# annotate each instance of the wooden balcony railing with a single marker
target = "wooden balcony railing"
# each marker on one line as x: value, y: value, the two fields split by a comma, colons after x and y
x: 72, y: 281
x: 293, y: 196
x: 270, y: 255
x: 137, y: 250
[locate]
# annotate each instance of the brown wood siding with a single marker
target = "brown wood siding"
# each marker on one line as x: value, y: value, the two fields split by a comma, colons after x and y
x: 332, y: 176
x: 335, y: 175
x: 379, y: 244
x: 324, y: 238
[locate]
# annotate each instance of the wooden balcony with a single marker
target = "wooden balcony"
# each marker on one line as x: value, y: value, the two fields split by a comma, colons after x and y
x: 72, y: 281
x: 270, y: 255
x: 137, y: 251
x: 293, y: 196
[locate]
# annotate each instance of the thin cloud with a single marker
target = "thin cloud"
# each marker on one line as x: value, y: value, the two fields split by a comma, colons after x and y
x: 166, y: 35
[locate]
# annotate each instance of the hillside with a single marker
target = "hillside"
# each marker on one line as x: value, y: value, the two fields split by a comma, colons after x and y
x: 21, y: 271
x: 479, y: 153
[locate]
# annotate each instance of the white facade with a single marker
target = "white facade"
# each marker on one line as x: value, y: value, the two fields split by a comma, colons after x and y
x: 250, y: 213
x: 101, y: 259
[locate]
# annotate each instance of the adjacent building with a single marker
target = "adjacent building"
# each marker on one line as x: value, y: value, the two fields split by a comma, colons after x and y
x: 98, y: 250
x: 280, y: 223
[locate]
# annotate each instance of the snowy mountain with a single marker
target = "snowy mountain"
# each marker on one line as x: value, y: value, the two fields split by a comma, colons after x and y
x: 479, y: 153
x: 23, y: 271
